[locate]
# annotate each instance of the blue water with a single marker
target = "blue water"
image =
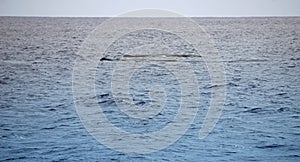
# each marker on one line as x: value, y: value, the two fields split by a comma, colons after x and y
x: 260, y: 120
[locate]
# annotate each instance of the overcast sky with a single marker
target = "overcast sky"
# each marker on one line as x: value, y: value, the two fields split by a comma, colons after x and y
x: 116, y: 7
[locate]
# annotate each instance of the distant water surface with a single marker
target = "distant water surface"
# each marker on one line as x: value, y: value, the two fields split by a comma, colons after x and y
x: 260, y: 121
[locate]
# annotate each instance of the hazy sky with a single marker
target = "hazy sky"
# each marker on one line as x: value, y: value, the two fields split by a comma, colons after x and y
x: 116, y: 7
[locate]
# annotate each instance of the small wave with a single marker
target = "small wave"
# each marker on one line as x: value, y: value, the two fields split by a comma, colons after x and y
x: 230, y: 84
x: 283, y: 109
x: 3, y: 82
x: 295, y: 117
x: 49, y: 128
x: 292, y: 156
x: 15, y: 158
x: 248, y: 61
x: 105, y: 95
x: 295, y: 59
x: 254, y: 110
x: 281, y: 94
x: 270, y: 146
x: 291, y: 66
x: 107, y: 102
x: 140, y: 103
x: 52, y: 109
x: 215, y: 86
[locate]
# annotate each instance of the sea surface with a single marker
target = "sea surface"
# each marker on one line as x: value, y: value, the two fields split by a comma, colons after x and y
x: 261, y: 114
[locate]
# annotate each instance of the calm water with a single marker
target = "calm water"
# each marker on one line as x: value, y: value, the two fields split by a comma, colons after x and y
x: 260, y: 120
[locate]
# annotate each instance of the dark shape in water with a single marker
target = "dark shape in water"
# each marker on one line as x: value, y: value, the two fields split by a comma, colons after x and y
x: 106, y: 59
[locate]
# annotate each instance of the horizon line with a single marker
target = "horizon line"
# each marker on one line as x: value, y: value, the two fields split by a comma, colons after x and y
x: 204, y: 16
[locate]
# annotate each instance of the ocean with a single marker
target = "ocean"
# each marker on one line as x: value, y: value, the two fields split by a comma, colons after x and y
x: 260, y: 121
